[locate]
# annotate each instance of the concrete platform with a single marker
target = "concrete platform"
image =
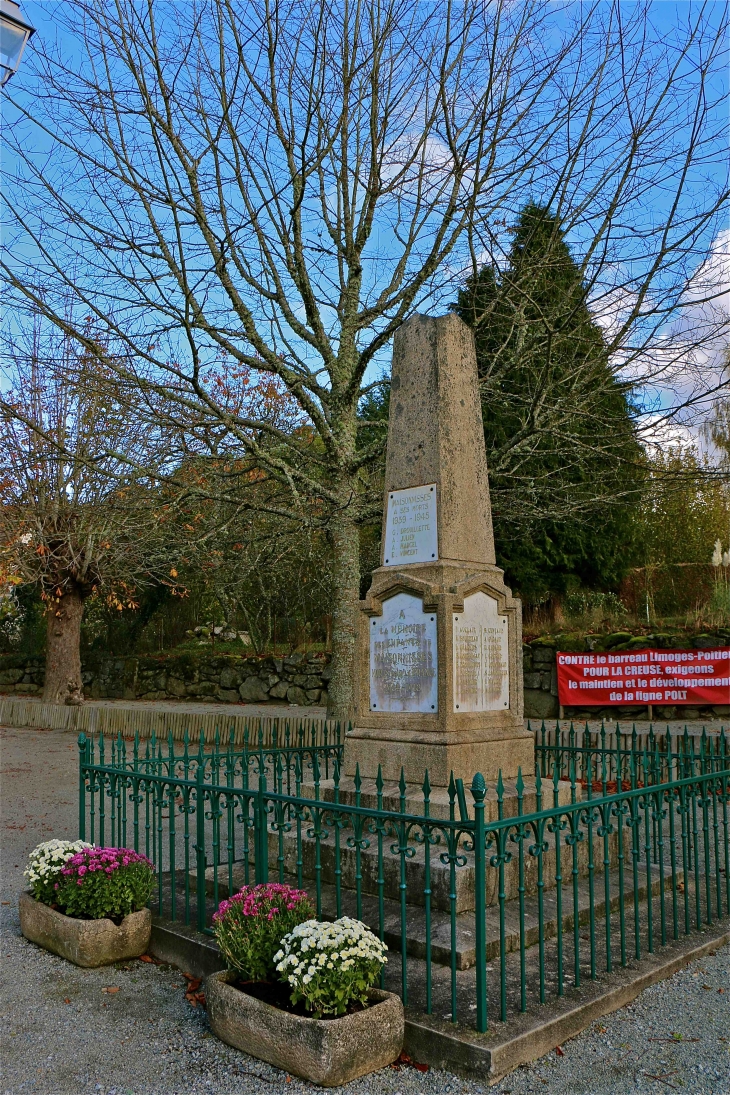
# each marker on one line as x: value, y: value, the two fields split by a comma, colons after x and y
x: 319, y: 858
x: 440, y: 1042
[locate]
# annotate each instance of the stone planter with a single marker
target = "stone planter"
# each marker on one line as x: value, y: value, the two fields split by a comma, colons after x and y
x: 84, y: 942
x: 328, y: 1052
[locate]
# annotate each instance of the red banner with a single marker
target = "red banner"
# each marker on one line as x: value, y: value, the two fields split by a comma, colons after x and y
x: 697, y: 677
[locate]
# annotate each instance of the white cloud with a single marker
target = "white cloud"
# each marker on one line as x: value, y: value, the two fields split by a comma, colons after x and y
x: 657, y: 433
x: 682, y: 368
x: 611, y: 308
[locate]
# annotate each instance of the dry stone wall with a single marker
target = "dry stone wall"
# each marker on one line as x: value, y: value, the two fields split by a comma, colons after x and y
x: 299, y: 678
x: 303, y: 679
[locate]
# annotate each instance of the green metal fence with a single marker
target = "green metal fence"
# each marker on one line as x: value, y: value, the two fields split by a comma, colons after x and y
x: 563, y: 746
x: 489, y: 898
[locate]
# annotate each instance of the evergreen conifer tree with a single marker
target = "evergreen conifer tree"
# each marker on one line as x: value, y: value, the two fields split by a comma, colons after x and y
x: 564, y: 461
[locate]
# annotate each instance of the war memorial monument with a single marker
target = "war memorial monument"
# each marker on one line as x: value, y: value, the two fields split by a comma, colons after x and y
x: 438, y: 675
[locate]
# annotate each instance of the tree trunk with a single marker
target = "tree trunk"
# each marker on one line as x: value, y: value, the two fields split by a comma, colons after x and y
x: 556, y: 609
x: 345, y: 595
x: 63, y: 653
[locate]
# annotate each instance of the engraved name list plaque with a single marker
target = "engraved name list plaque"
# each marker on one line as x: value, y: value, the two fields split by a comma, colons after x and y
x: 481, y: 656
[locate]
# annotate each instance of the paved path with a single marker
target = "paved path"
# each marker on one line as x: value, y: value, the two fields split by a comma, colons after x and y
x: 62, y: 1034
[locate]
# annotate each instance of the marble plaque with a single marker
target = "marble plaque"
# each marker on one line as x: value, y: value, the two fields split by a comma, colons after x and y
x: 481, y: 656
x: 403, y: 658
x: 410, y: 526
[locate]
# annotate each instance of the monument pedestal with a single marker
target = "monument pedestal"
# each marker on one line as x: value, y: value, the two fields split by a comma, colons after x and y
x: 439, y: 649
x: 441, y: 756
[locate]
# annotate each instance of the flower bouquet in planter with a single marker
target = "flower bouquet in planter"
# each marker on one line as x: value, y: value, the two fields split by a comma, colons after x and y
x: 87, y: 904
x: 299, y: 993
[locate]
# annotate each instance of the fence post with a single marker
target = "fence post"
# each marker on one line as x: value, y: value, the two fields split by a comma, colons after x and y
x: 261, y: 833
x: 200, y: 844
x: 479, y: 790
x: 82, y: 786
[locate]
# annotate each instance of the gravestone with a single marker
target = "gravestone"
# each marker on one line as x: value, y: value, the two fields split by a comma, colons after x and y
x: 439, y: 649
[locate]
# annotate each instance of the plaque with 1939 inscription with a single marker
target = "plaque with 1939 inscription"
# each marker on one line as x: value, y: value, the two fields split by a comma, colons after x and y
x: 410, y: 526
x: 481, y: 656
x: 403, y: 657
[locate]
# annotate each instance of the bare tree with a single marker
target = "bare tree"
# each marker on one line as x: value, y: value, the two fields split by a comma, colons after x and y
x: 276, y: 186
x: 75, y: 519
x: 261, y: 569
x: 717, y: 430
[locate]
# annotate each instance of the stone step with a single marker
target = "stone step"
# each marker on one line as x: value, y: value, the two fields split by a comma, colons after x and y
x: 447, y: 888
x: 439, y: 800
x: 458, y: 938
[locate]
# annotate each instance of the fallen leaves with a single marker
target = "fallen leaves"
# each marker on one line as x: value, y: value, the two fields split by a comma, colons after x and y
x: 192, y: 993
x: 404, y: 1061
x: 66, y: 1000
x: 111, y: 989
x: 611, y: 785
x: 559, y: 1052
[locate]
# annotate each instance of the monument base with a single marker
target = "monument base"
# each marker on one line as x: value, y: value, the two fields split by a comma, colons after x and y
x: 489, y: 751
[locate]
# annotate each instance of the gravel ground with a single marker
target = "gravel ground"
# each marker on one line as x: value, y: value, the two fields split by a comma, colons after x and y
x: 61, y: 1033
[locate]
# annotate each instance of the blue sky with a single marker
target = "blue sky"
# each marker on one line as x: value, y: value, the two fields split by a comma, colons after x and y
x: 707, y: 251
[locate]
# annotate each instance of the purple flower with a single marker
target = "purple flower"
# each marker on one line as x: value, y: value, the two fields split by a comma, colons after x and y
x: 91, y: 861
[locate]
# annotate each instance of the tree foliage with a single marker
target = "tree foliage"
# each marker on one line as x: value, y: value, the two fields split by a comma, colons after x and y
x: 686, y: 508
x: 684, y: 512
x: 252, y: 565
x: 564, y: 460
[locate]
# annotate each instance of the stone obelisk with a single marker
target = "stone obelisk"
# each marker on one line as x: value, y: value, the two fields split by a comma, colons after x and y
x: 439, y: 651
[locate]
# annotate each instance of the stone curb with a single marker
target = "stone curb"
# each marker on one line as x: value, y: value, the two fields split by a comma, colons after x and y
x: 527, y: 1037
x: 493, y: 1055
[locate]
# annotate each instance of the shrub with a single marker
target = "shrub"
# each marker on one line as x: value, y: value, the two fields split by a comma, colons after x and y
x: 249, y: 927
x: 330, y: 966
x: 44, y: 866
x: 594, y: 608
x: 99, y: 882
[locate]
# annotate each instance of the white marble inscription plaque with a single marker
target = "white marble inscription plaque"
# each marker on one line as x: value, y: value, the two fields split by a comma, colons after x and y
x: 403, y: 657
x: 410, y: 526
x: 481, y: 656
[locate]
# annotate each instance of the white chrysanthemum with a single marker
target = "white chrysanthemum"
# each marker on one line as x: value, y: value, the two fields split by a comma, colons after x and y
x: 330, y: 955
x: 49, y: 857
